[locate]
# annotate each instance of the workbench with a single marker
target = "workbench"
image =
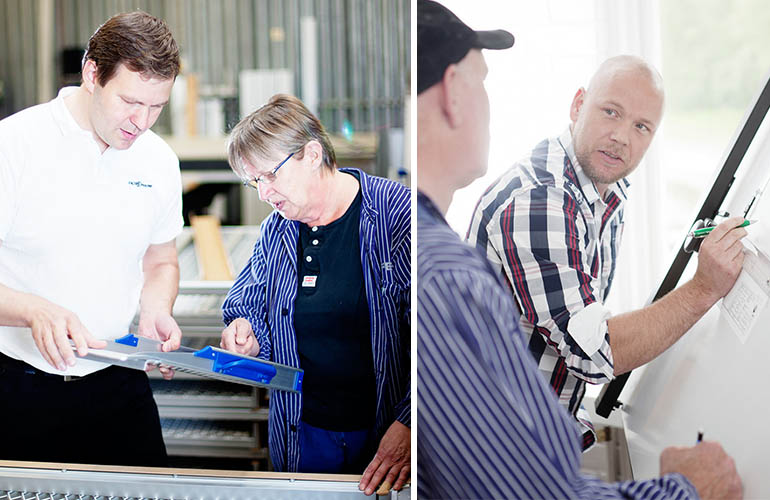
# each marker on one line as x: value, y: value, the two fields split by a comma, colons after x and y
x: 48, y: 481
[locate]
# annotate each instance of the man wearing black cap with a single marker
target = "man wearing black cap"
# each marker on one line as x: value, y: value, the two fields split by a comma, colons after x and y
x: 488, y: 424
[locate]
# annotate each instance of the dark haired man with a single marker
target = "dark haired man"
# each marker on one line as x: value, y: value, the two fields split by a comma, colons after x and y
x: 90, y: 205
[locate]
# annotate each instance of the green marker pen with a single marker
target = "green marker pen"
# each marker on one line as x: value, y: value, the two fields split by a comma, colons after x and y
x: 704, y: 231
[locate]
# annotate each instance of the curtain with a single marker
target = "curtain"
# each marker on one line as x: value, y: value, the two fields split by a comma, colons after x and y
x: 633, y: 27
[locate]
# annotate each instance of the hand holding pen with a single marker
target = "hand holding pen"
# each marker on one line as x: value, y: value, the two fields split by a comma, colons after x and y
x: 704, y: 231
x: 707, y: 466
x: 720, y: 259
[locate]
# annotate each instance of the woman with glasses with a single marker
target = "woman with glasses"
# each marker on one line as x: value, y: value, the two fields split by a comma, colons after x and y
x: 327, y: 290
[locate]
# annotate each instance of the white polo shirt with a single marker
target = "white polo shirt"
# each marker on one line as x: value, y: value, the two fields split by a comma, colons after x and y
x: 75, y: 222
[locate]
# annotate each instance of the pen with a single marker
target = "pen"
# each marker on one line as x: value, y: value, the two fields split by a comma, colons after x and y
x: 700, y: 436
x: 702, y: 232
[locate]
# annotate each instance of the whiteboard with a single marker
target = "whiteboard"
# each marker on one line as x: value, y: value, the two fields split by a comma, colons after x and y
x: 716, y: 377
x: 709, y: 380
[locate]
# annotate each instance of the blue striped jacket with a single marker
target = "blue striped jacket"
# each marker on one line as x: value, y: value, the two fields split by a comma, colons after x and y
x: 265, y: 290
x: 489, y: 425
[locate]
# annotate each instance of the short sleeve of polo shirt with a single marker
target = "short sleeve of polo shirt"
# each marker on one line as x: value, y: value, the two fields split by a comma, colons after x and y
x: 170, y: 220
x: 8, y: 195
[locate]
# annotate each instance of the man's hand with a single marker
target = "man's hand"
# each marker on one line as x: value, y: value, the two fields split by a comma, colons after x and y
x: 708, y: 468
x: 161, y: 326
x: 391, y: 462
x: 720, y: 259
x: 52, y: 326
x: 239, y: 337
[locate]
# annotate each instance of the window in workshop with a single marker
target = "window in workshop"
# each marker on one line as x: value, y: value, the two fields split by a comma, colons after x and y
x: 715, y: 62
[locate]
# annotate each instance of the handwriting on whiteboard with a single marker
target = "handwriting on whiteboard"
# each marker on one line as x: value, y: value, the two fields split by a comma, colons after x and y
x: 748, y: 297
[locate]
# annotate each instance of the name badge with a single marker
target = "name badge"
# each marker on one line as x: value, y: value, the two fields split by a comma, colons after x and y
x: 309, y: 281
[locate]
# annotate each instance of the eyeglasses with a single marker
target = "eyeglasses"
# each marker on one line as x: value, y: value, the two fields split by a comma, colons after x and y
x: 267, y: 178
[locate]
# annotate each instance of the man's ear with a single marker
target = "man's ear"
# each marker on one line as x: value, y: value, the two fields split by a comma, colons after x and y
x: 451, y: 103
x: 89, y: 75
x: 577, y: 104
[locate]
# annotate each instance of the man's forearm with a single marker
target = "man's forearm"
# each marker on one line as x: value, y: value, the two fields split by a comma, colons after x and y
x: 161, y: 286
x: 15, y: 307
x: 640, y: 336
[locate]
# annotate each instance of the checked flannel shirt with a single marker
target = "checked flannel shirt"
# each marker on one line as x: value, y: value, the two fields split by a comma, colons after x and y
x: 544, y: 226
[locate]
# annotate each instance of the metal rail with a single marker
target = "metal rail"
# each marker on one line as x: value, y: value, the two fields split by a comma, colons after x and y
x: 28, y: 483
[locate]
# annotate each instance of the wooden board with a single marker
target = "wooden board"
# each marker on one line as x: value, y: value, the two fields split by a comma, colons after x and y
x: 213, y: 260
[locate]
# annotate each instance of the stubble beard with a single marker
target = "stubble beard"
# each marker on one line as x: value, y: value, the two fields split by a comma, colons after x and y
x: 595, y: 174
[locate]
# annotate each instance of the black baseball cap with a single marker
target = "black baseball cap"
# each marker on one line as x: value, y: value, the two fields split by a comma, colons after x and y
x: 443, y: 39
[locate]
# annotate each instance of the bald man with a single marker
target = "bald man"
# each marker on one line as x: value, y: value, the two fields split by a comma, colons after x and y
x: 552, y: 226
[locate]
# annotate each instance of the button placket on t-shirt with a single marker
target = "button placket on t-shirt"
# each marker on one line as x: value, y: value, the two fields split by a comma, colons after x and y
x: 310, y: 255
x: 107, y: 172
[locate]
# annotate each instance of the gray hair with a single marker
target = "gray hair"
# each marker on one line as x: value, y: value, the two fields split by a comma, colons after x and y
x: 283, y: 124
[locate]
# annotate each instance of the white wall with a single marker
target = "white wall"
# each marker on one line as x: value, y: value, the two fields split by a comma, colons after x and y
x: 531, y: 85
x: 559, y: 44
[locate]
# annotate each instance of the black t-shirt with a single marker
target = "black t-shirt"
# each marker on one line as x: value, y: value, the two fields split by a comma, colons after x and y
x: 332, y: 326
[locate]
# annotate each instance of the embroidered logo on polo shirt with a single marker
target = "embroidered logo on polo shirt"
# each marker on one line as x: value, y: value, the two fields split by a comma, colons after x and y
x: 309, y: 281
x: 139, y: 184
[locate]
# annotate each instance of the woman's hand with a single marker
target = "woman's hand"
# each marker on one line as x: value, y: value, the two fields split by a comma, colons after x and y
x: 239, y: 337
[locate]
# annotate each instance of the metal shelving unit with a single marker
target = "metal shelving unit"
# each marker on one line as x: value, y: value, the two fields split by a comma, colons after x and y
x: 212, y: 438
x: 201, y: 417
x: 203, y: 393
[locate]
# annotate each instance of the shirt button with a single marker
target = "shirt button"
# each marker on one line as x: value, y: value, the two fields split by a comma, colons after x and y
x: 315, y: 242
x: 284, y: 312
x: 309, y: 258
x: 314, y: 229
x: 293, y: 428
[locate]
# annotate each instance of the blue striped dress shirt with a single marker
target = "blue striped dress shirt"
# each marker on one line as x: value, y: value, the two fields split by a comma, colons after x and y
x: 488, y: 424
x: 265, y: 290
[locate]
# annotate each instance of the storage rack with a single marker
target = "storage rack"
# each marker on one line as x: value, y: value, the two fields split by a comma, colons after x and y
x: 200, y: 418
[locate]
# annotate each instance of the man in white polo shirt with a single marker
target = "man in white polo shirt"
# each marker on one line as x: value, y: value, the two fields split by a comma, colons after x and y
x: 90, y: 206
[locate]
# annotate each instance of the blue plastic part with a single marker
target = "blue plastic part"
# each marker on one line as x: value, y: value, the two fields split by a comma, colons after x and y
x: 237, y: 366
x: 206, y: 352
x: 128, y: 339
x: 298, y: 381
x: 247, y: 368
